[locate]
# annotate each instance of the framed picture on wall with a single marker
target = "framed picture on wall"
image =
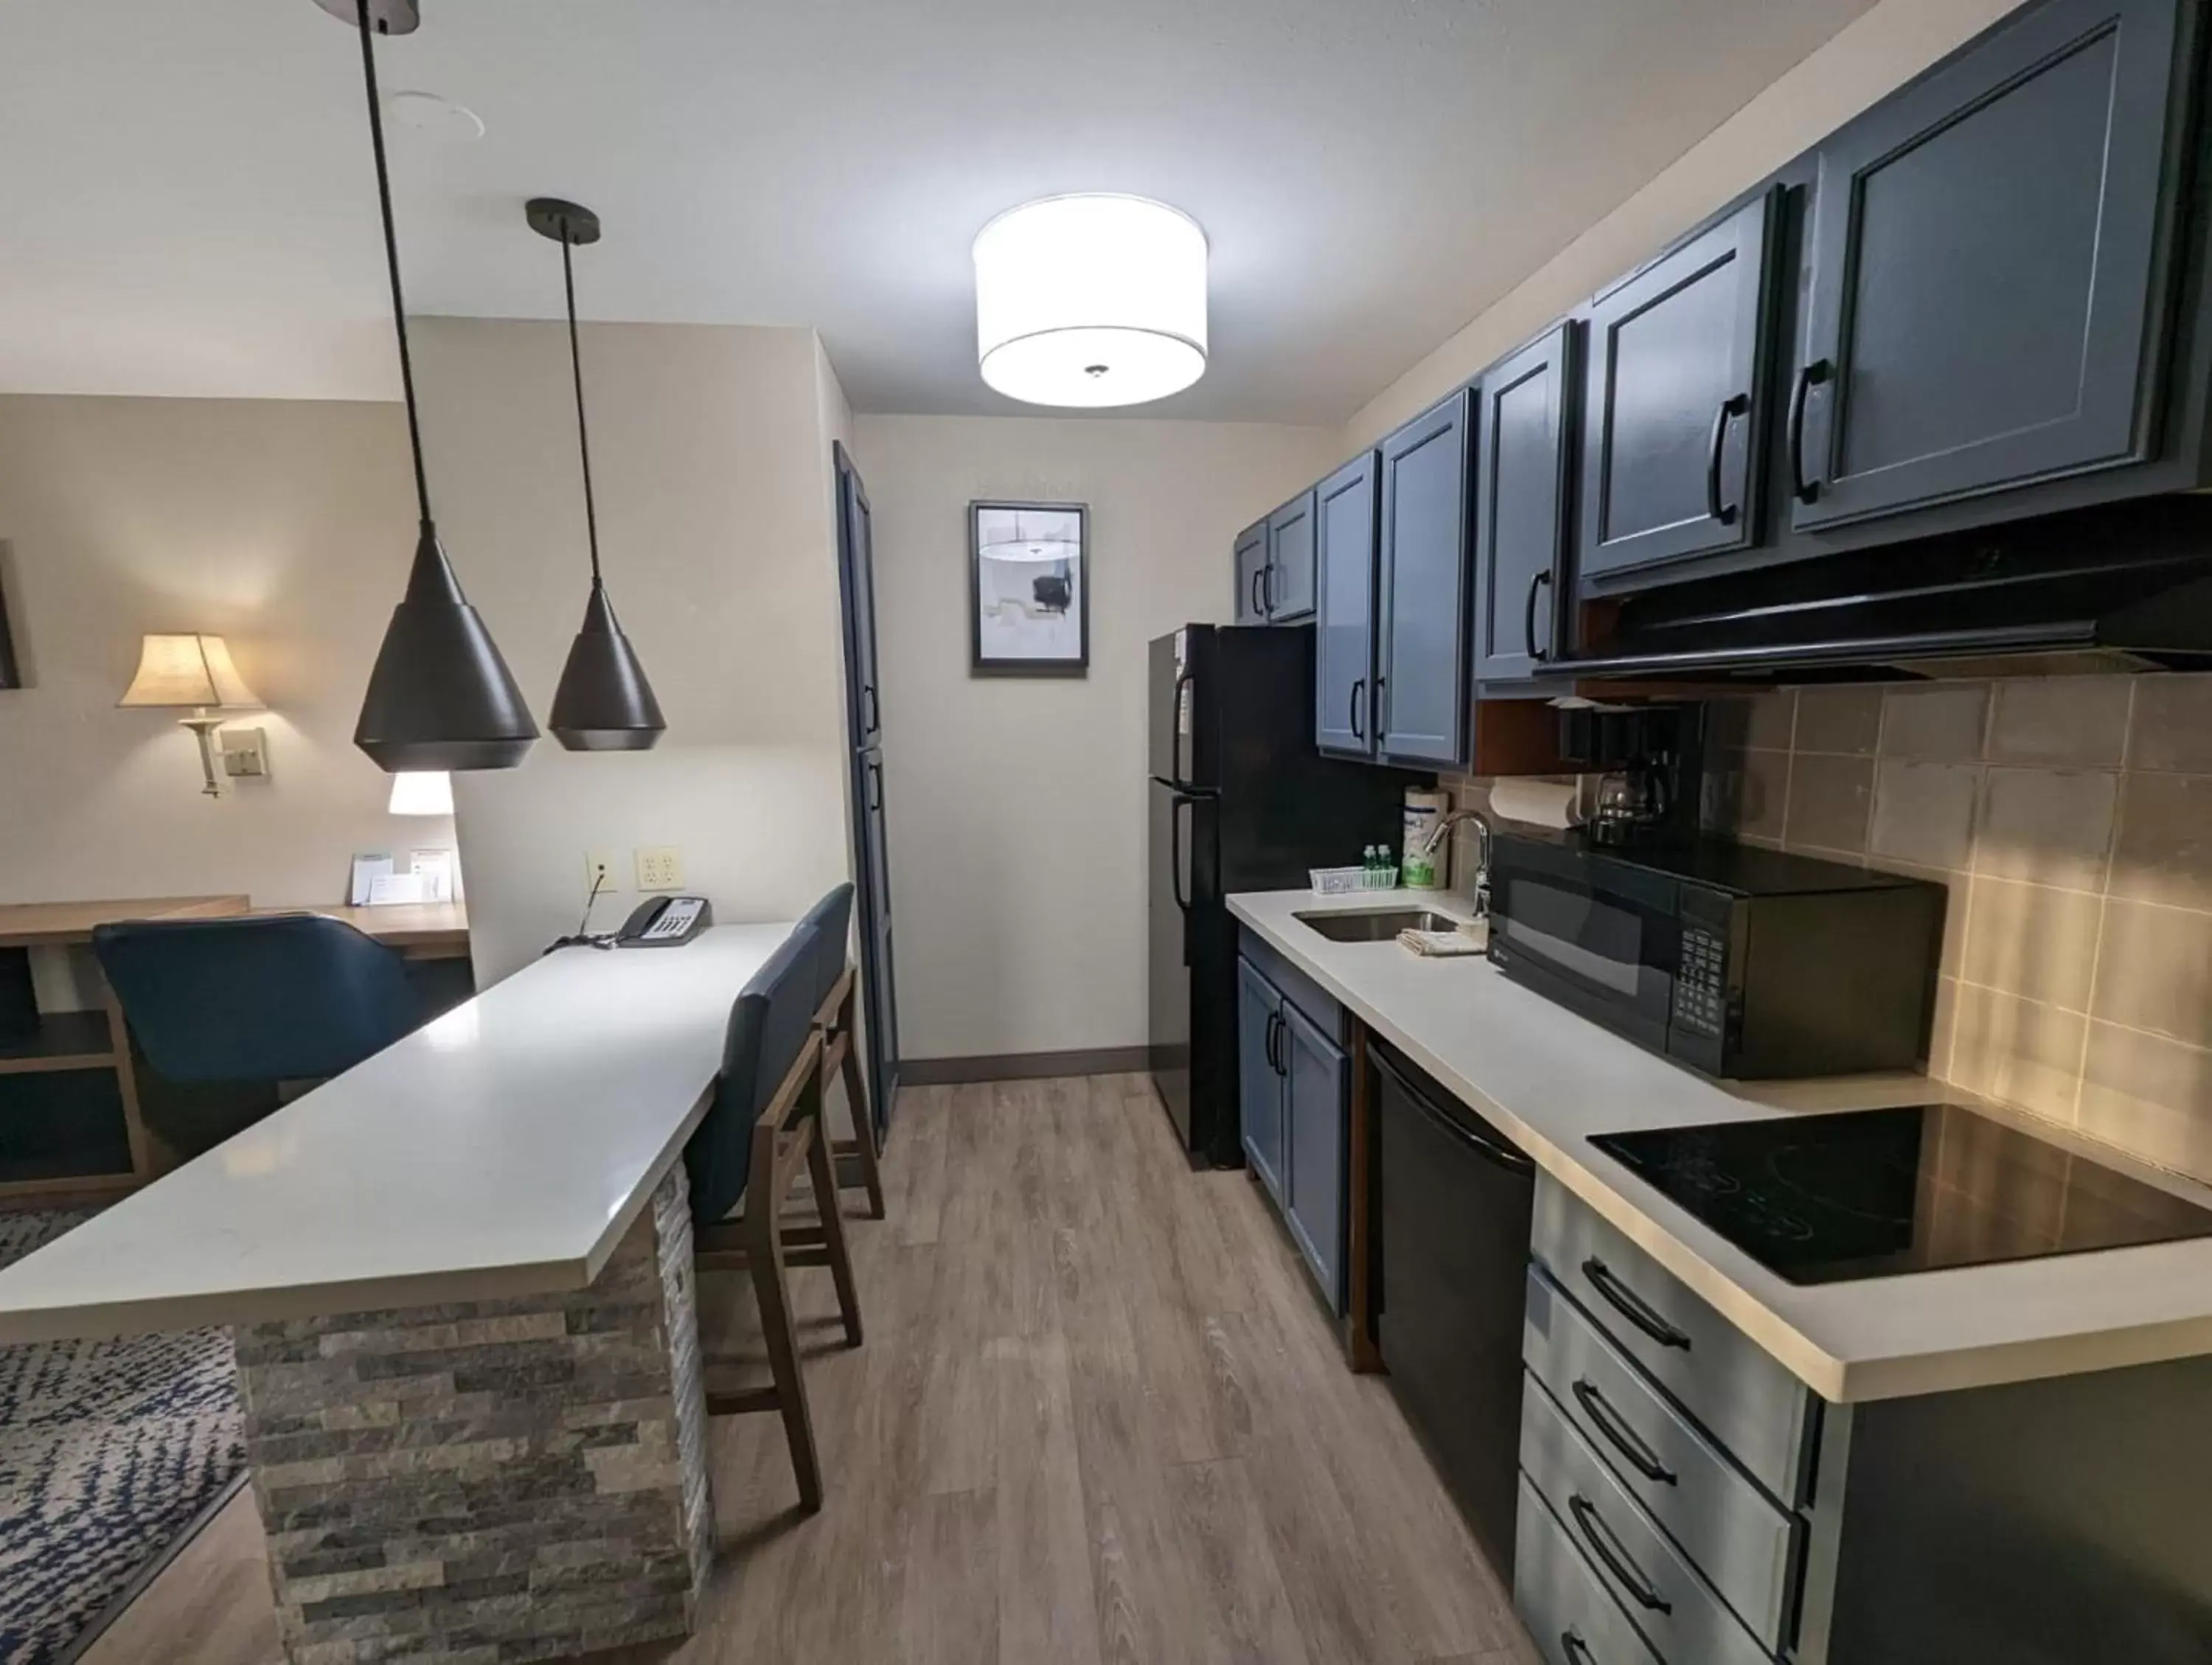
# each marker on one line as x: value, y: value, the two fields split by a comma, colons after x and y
x: 1028, y: 589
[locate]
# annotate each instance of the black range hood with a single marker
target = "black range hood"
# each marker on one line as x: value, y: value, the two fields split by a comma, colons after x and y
x: 2116, y: 587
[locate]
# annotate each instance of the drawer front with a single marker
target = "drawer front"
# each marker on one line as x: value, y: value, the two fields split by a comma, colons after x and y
x: 1735, y: 1533
x: 1685, y: 1621
x: 1559, y: 1599
x: 1762, y: 1415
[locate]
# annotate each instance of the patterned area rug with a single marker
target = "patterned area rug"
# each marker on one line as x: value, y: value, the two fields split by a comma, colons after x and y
x: 108, y: 1449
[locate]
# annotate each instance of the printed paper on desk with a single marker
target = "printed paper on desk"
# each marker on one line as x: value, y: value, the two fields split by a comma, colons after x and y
x: 398, y: 887
x: 367, y: 870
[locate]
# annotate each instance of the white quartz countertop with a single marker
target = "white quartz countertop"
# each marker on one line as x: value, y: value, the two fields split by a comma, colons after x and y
x: 502, y: 1150
x: 1549, y: 1079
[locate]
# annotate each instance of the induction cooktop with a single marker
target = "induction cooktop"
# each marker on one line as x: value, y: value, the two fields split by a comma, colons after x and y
x: 1873, y: 1193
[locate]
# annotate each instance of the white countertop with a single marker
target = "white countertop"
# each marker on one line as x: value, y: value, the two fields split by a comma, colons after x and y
x: 1549, y: 1079
x: 502, y: 1150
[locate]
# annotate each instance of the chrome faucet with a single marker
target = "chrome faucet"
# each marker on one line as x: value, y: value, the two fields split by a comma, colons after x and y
x: 1441, y: 830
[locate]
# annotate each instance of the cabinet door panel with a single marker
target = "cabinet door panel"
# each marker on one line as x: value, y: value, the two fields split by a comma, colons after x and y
x: 1521, y: 507
x: 1318, y: 1104
x: 1344, y: 586
x: 1423, y: 699
x: 1986, y: 265
x: 1288, y: 589
x: 1675, y: 355
x: 1260, y: 1088
x: 1252, y: 574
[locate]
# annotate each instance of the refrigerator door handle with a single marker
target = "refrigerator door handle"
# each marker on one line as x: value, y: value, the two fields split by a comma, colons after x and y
x: 1176, y: 708
x: 1181, y: 802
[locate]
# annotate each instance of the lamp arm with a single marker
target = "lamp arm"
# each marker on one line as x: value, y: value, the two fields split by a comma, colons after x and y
x: 203, y: 725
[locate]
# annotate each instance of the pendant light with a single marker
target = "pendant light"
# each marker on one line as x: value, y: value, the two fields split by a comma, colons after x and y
x: 604, y: 703
x: 439, y: 697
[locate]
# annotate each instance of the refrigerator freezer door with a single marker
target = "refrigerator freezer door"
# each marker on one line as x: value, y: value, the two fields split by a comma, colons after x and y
x: 1179, y: 718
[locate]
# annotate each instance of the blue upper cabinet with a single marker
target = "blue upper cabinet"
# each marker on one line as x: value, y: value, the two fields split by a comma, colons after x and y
x: 1344, y: 581
x: 1252, y: 574
x: 1290, y: 584
x: 1422, y: 695
x: 1521, y: 495
x: 1675, y: 397
x: 1985, y: 269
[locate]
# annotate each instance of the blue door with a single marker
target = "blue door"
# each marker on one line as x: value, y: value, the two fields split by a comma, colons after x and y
x: 1317, y: 1103
x: 1424, y: 694
x: 1260, y: 1082
x: 1344, y: 604
x: 1290, y: 586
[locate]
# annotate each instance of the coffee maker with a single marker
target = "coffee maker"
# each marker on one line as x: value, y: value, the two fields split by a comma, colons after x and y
x: 1647, y: 758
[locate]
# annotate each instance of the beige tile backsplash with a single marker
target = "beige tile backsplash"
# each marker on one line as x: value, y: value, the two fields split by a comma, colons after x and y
x: 2071, y: 819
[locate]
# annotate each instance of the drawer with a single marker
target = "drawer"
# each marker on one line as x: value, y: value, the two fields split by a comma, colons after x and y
x: 1559, y: 1599
x: 1763, y: 1416
x: 1682, y: 1615
x: 1733, y: 1532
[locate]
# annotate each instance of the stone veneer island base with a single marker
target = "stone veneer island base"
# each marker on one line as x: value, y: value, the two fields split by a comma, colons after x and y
x: 489, y: 1481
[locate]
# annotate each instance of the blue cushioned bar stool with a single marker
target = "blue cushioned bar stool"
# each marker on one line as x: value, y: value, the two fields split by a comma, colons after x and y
x: 764, y: 1125
x: 293, y: 998
x: 835, y: 985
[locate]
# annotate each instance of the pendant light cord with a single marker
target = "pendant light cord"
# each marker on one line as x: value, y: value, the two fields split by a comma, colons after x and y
x: 583, y: 436
x: 391, y: 257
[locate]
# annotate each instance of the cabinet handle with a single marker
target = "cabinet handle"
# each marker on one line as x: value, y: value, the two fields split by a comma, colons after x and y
x: 1603, y: 1545
x: 1274, y: 1033
x: 1268, y: 591
x: 1632, y: 1306
x: 1528, y: 617
x: 1578, y: 1651
x: 1737, y: 404
x: 1378, y: 711
x: 875, y: 720
x: 1259, y: 607
x: 1623, y: 1438
x: 1357, y: 688
x: 1809, y: 376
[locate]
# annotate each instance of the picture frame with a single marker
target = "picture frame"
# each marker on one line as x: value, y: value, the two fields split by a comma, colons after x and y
x: 1028, y: 589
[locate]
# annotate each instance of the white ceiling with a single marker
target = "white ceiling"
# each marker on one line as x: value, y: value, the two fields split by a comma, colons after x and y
x: 186, y: 205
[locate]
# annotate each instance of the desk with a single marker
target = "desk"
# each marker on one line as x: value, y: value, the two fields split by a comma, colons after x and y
x: 483, y: 1234
x: 419, y: 930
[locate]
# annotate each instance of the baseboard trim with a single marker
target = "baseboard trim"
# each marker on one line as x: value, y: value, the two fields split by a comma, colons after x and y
x: 1022, y: 1065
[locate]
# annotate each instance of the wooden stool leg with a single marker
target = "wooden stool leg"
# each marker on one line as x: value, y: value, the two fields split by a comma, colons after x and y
x: 783, y: 1360
x: 824, y: 1172
x: 864, y: 1124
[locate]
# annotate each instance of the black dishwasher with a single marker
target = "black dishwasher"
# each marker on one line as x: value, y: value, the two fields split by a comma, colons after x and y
x: 1456, y: 1198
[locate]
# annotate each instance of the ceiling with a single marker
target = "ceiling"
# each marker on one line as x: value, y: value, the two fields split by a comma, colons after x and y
x: 187, y: 205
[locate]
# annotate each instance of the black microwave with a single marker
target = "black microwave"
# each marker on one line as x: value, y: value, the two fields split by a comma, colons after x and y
x: 1734, y: 960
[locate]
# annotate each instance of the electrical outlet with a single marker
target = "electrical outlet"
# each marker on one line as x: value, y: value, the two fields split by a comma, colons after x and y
x: 659, y: 867
x: 599, y: 873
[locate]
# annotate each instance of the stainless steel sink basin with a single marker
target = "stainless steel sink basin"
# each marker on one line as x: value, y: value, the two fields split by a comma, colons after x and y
x: 1375, y: 927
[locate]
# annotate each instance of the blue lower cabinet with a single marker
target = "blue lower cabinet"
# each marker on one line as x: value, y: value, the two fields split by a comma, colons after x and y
x: 1318, y: 1099
x: 1260, y: 1085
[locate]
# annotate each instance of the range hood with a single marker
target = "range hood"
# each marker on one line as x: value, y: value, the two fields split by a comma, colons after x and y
x: 2111, y: 588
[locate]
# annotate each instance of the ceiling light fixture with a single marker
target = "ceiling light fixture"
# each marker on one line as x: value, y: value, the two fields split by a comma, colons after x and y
x: 439, y: 697
x: 1091, y: 301
x: 604, y: 703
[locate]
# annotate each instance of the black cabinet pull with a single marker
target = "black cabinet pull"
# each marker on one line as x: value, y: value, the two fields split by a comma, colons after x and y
x: 1737, y: 404
x: 1357, y: 688
x: 1632, y: 1306
x: 1578, y: 1651
x: 1599, y: 1536
x: 1623, y: 1438
x: 1274, y: 1035
x: 1259, y: 607
x: 1268, y: 591
x: 1809, y: 376
x: 1529, y: 615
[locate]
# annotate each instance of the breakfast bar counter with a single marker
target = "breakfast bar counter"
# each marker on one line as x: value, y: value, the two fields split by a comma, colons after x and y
x: 459, y: 1278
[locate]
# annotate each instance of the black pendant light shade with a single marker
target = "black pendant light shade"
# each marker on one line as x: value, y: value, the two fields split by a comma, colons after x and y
x: 440, y: 697
x: 604, y: 703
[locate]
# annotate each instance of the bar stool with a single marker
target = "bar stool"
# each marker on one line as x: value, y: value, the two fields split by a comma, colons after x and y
x: 764, y: 1125
x: 835, y: 986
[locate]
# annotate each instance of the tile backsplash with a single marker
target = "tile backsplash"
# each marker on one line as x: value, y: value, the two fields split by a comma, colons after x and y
x: 2071, y: 819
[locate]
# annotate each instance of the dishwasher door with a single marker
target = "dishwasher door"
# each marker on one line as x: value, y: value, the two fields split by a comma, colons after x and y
x: 1456, y: 1201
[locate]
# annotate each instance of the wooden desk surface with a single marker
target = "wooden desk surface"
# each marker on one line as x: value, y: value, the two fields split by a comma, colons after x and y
x: 44, y: 923
x: 441, y: 928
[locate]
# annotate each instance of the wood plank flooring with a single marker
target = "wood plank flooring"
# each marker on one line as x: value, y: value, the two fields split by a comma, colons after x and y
x: 1100, y: 1419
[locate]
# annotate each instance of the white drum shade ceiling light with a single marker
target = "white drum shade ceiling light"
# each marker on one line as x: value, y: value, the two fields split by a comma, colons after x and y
x: 1091, y: 301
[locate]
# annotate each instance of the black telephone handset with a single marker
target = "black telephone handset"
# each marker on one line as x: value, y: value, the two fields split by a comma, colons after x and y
x: 665, y: 922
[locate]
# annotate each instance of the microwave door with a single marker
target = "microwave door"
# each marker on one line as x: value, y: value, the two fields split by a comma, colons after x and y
x: 1609, y: 958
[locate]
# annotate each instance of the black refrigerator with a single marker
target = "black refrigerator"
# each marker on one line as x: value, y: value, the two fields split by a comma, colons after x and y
x: 1240, y: 801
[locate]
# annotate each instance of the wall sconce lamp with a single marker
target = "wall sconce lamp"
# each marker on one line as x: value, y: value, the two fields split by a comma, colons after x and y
x: 195, y: 672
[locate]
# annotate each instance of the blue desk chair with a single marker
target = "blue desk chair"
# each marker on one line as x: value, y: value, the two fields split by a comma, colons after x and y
x: 835, y: 985
x: 764, y: 1124
x: 293, y: 998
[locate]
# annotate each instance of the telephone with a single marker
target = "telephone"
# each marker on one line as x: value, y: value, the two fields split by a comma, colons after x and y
x: 665, y: 922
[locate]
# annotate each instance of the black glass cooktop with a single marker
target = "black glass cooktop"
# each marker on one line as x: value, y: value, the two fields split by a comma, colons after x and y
x: 1872, y: 1193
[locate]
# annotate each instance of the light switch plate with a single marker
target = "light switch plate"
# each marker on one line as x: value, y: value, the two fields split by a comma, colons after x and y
x: 659, y: 867
x: 244, y: 751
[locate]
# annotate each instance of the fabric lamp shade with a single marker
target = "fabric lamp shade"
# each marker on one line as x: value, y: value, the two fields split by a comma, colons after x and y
x: 190, y: 672
x: 421, y: 791
x: 1091, y: 301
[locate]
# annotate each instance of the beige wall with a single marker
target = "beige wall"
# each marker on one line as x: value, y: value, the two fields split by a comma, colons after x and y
x: 1017, y: 808
x: 286, y: 527
x: 1877, y: 53
x: 709, y: 448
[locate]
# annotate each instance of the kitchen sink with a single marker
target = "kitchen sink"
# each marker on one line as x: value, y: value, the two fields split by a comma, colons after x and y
x: 1375, y: 927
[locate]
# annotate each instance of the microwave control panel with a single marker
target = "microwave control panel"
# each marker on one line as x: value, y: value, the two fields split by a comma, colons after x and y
x: 1701, y: 983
